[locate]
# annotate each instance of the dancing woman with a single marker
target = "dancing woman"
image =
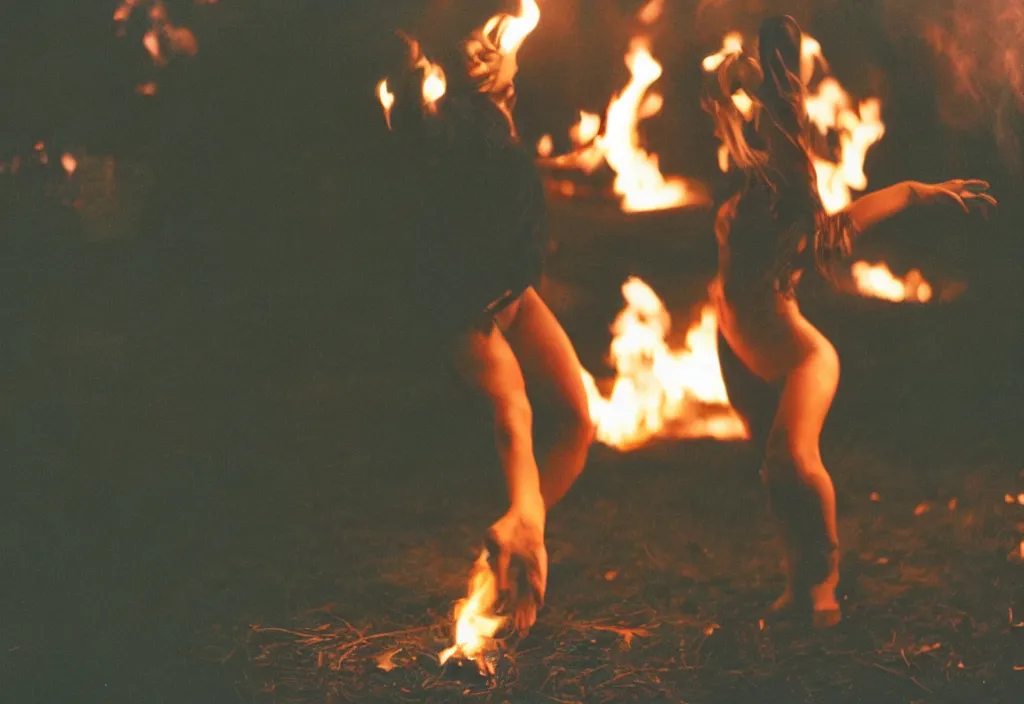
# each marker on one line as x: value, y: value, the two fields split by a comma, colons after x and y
x: 476, y: 199
x: 780, y: 371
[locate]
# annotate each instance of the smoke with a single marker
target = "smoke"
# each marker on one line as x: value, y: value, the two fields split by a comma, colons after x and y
x: 977, y: 50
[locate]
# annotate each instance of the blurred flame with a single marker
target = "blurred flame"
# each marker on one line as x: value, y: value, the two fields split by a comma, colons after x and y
x: 877, y: 281
x: 387, y: 100
x: 180, y: 40
x: 152, y: 43
x: 475, y: 618
x: 545, y: 145
x: 434, y: 85
x: 829, y: 109
x: 651, y: 12
x: 732, y: 43
x: 586, y: 130
x: 658, y: 390
x: 149, y: 88
x: 69, y: 163
x: 516, y: 29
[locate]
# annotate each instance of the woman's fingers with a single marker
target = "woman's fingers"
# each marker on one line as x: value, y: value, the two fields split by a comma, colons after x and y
x: 956, y: 196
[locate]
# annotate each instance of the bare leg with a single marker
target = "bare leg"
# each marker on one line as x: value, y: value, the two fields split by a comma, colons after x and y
x: 485, y: 360
x: 801, y: 490
x: 516, y: 540
x: 552, y: 372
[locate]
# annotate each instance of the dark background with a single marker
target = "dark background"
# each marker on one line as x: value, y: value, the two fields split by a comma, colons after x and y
x: 208, y: 361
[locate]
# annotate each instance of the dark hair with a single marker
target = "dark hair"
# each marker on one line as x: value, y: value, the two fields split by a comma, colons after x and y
x: 782, y: 92
x: 784, y: 168
x: 468, y: 190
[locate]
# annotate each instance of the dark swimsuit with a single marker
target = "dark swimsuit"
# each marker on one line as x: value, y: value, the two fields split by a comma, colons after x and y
x: 481, y: 211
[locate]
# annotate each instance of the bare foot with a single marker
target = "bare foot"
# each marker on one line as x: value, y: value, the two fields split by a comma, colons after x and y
x: 823, y: 612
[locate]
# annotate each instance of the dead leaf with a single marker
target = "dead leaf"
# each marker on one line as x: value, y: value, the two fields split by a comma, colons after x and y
x: 385, y: 661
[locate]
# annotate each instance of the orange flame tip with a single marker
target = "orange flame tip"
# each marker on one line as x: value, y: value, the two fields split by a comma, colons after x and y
x: 387, y: 100
x: 518, y: 28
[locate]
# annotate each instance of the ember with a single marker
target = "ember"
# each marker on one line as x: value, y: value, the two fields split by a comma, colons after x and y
x: 638, y: 181
x: 658, y: 390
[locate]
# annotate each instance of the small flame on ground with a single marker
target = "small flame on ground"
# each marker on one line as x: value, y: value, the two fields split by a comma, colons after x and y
x: 475, y: 619
x: 638, y: 178
x: 877, y: 281
x: 658, y: 390
x: 830, y: 109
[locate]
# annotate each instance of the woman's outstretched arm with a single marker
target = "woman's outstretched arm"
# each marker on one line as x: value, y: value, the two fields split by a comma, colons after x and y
x: 873, y: 208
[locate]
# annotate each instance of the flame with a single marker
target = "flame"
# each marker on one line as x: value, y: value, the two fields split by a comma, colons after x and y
x: 475, y: 618
x: 387, y: 100
x: 732, y: 44
x: 516, y: 29
x: 148, y: 89
x: 638, y: 178
x: 586, y: 130
x: 651, y: 12
x: 658, y: 390
x: 829, y: 109
x: 545, y: 145
x: 152, y: 43
x: 69, y: 163
x: 877, y: 281
x: 434, y: 85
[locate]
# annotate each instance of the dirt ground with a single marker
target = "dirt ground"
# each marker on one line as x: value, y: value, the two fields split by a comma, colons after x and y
x: 236, y: 469
x: 206, y: 508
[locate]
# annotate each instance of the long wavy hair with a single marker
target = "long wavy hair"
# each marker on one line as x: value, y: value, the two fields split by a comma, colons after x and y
x: 780, y: 162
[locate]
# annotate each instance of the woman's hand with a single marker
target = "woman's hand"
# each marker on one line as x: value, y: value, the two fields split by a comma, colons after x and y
x: 967, y: 193
x: 519, y: 560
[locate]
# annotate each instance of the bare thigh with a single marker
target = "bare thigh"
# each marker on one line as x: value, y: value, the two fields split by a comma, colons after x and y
x: 803, y: 406
x: 547, y: 357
